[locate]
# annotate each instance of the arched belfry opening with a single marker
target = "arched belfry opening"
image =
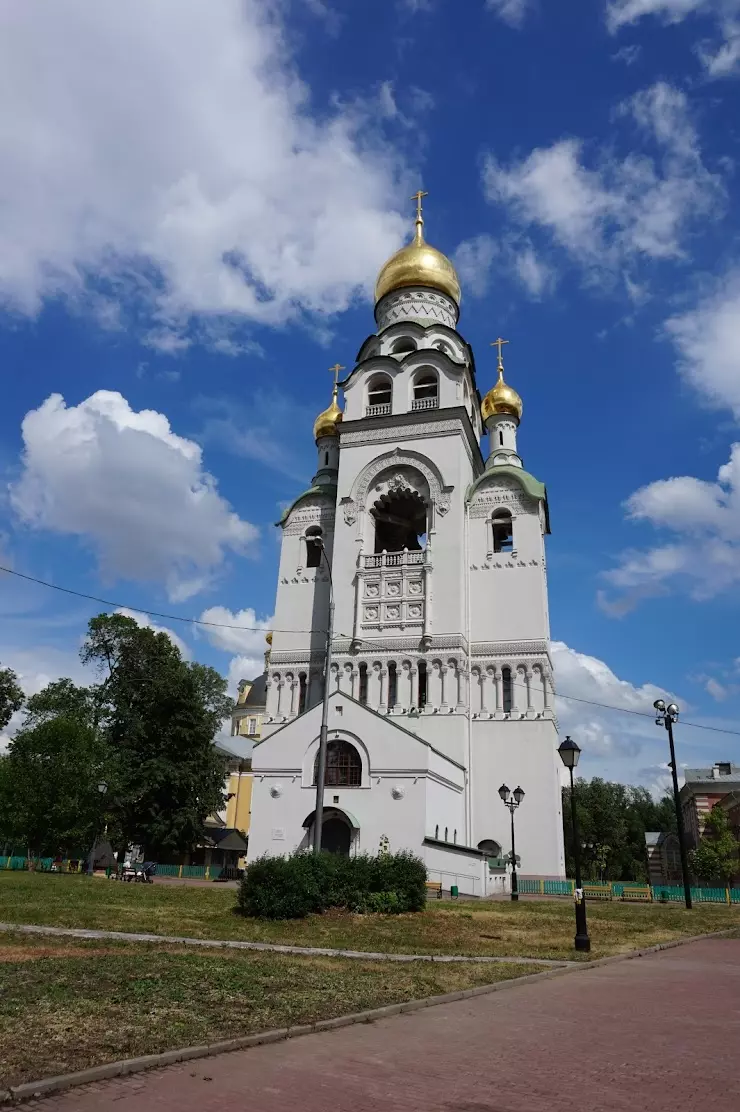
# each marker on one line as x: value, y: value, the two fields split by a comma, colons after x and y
x: 400, y: 517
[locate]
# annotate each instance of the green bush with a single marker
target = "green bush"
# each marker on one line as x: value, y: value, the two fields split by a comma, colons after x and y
x: 293, y: 887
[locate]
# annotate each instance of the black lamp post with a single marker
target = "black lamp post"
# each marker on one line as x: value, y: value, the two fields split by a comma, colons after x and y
x: 512, y: 801
x: 102, y: 790
x: 666, y: 716
x: 569, y: 754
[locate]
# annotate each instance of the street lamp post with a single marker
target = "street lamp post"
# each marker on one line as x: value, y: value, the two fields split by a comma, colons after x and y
x: 323, y: 733
x: 666, y: 716
x: 102, y: 789
x: 512, y: 801
x: 569, y: 754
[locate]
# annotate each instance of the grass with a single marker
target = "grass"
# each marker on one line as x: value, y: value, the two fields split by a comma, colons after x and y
x: 66, y: 1005
x: 536, y: 928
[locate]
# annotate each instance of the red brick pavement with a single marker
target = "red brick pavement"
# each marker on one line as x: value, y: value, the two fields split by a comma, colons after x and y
x: 656, y: 1033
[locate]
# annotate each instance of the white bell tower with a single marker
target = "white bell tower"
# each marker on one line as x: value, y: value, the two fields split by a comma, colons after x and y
x: 437, y: 563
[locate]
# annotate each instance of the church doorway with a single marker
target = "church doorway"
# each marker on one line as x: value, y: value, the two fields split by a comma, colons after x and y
x: 336, y: 836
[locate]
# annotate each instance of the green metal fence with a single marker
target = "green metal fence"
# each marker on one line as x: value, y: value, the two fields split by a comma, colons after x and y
x: 44, y: 864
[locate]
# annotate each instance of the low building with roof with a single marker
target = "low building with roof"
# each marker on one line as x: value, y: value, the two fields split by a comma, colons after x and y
x: 702, y: 790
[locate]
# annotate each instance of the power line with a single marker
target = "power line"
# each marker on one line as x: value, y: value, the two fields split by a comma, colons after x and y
x: 263, y: 629
x: 146, y: 613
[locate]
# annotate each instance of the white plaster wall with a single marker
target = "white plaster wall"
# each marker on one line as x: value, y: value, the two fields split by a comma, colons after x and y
x: 456, y: 868
x: 520, y: 753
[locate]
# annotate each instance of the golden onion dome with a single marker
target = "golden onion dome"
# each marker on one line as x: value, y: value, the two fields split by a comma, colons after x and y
x: 326, y: 422
x: 418, y: 264
x: 268, y: 638
x: 502, y: 399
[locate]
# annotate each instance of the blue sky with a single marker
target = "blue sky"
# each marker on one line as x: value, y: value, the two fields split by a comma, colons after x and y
x: 195, y: 202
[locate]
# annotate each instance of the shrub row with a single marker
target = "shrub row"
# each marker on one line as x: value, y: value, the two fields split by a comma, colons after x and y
x: 293, y: 887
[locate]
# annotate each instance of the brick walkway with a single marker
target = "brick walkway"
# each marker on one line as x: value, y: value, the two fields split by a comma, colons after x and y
x: 655, y: 1033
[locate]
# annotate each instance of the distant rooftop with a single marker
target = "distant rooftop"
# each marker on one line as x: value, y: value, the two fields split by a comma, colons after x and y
x: 724, y: 771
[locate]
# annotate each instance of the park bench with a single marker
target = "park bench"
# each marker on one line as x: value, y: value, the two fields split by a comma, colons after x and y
x: 597, y: 891
x: 434, y: 886
x: 637, y: 895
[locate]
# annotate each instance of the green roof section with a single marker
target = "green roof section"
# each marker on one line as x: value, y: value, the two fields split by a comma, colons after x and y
x: 531, y: 486
x: 306, y: 494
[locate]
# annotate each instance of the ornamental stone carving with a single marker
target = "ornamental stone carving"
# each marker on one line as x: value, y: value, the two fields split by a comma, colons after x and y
x: 399, y: 458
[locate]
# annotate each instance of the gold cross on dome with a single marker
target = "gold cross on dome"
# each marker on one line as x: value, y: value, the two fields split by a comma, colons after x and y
x: 499, y: 344
x: 335, y: 371
x: 418, y: 196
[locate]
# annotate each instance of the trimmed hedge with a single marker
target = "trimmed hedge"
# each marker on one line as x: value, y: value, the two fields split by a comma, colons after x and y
x: 306, y: 883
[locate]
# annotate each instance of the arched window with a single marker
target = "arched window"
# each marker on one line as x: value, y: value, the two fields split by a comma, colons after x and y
x: 500, y: 439
x: 403, y: 345
x: 503, y: 532
x: 454, y: 838
x: 379, y: 396
x: 436, y: 832
x: 362, y: 693
x: 447, y: 832
x: 326, y: 459
x: 343, y: 766
x: 422, y: 683
x: 506, y: 691
x: 392, y: 684
x: 313, y: 547
x: 426, y: 392
x: 302, y: 692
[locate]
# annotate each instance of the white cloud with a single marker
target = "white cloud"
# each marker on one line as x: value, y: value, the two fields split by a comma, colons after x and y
x: 628, y: 54
x: 703, y: 552
x: 473, y: 261
x: 146, y: 622
x: 622, y: 12
x: 248, y: 641
x: 707, y: 339
x: 171, y: 156
x: 720, y: 59
x: 717, y: 690
x: 609, y: 213
x: 512, y: 12
x: 515, y: 257
x: 131, y: 488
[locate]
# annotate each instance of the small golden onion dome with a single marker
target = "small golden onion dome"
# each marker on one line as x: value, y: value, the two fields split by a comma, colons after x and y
x: 268, y: 638
x: 502, y: 399
x: 326, y: 422
x: 418, y: 264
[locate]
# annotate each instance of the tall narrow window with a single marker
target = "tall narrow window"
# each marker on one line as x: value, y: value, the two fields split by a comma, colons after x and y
x: 362, y: 694
x: 313, y: 547
x: 500, y: 438
x: 302, y: 692
x: 422, y: 683
x: 506, y: 689
x: 503, y: 532
x: 326, y: 459
x: 392, y: 684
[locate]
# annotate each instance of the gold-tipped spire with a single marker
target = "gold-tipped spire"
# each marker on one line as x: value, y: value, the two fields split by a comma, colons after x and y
x: 501, y: 398
x: 327, y: 421
x: 418, y: 264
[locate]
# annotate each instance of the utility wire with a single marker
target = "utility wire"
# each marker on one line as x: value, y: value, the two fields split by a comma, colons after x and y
x: 262, y: 629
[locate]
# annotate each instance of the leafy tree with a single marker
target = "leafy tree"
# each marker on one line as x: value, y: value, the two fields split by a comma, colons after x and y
x: 11, y: 696
x: 49, y: 798
x: 160, y: 715
x: 715, y: 860
x: 63, y: 699
x: 613, y: 819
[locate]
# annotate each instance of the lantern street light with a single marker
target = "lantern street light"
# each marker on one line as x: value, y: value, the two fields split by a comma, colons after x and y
x: 512, y: 801
x: 569, y: 754
x: 318, y: 818
x: 102, y: 790
x: 666, y: 716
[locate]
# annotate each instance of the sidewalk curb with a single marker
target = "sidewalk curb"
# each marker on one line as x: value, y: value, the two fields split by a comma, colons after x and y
x: 49, y: 1085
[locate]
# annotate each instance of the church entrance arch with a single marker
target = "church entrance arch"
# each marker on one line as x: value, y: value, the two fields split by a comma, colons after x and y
x: 336, y: 836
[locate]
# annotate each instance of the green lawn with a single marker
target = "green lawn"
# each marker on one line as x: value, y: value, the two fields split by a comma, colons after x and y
x: 531, y: 928
x: 66, y: 1005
